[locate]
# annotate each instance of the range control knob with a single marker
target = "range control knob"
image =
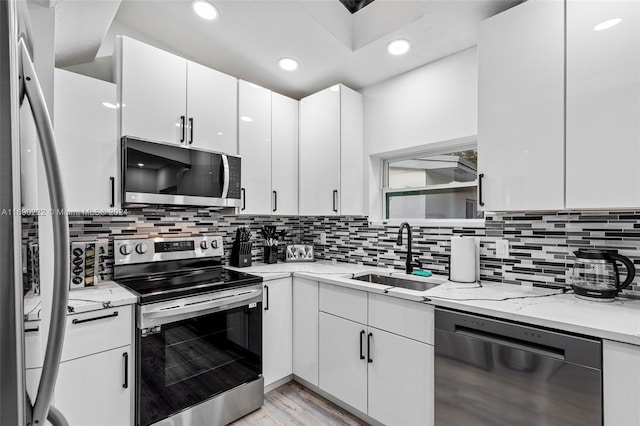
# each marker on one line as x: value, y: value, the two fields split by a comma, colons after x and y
x: 203, y: 244
x: 141, y: 248
x: 125, y: 249
x: 214, y: 244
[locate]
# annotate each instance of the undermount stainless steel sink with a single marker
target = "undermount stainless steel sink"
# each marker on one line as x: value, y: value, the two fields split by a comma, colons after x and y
x: 398, y: 282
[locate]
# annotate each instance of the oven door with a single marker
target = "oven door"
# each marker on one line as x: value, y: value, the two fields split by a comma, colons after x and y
x: 193, y: 349
x: 159, y: 173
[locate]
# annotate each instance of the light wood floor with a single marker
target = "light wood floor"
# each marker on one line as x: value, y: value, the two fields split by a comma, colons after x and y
x: 293, y: 404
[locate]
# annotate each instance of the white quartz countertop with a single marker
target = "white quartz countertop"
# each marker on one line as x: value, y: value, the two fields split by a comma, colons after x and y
x: 107, y: 294
x: 618, y: 320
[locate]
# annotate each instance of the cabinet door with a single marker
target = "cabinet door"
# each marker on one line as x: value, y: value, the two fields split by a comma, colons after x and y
x: 276, y: 330
x: 85, y: 124
x: 305, y: 330
x: 603, y: 105
x: 342, y: 360
x: 320, y: 153
x: 521, y: 108
x: 153, y: 92
x: 351, y: 153
x: 400, y: 380
x: 95, y: 390
x: 621, y: 383
x: 284, y: 154
x: 212, y: 109
x: 254, y: 106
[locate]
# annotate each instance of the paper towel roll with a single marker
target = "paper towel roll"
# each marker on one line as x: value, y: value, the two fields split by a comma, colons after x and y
x: 464, y: 260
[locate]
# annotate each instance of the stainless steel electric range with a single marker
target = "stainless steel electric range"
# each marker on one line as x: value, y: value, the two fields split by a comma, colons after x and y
x: 199, y: 331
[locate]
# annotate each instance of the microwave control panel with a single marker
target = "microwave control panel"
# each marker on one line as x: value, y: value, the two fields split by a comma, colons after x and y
x: 234, y: 178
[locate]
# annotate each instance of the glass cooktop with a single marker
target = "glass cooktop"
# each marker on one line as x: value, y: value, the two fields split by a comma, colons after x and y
x: 176, y: 280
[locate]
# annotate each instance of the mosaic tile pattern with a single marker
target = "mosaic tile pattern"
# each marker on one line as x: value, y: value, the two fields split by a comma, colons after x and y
x: 541, y: 244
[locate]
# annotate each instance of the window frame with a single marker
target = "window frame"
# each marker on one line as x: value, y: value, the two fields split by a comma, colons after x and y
x: 443, y: 149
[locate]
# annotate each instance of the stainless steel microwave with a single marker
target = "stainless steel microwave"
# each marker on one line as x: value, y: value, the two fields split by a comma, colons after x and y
x: 163, y: 173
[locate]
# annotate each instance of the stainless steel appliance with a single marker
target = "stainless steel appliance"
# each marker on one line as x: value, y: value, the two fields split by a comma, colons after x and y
x: 164, y: 173
x: 199, y: 331
x: 20, y: 90
x: 493, y: 372
x: 596, y: 276
x: 88, y: 263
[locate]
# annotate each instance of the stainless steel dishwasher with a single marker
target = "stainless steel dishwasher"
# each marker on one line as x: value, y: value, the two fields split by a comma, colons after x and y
x: 492, y: 372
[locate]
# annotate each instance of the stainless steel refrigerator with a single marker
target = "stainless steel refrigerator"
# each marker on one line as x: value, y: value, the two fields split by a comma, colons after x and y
x: 18, y: 81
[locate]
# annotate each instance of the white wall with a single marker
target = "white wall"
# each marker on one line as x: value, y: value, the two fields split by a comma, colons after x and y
x: 431, y: 104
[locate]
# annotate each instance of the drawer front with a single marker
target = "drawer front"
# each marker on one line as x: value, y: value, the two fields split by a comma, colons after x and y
x: 404, y: 317
x: 344, y: 302
x: 97, y: 331
x: 33, y: 349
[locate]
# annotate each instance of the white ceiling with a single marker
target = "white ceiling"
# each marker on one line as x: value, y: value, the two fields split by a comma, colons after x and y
x: 331, y: 45
x: 80, y: 28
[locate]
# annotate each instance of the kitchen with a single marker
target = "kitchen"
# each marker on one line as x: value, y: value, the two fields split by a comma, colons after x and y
x: 236, y: 227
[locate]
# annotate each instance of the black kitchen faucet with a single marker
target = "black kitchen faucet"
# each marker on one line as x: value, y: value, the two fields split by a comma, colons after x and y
x: 410, y: 262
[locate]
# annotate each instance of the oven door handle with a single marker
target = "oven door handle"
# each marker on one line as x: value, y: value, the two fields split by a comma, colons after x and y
x: 205, y: 305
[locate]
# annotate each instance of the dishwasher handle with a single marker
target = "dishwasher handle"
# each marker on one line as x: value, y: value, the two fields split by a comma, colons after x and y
x: 512, y: 343
x: 576, y: 349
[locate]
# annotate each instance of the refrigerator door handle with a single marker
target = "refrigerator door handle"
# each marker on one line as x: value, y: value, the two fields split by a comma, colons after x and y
x: 33, y: 91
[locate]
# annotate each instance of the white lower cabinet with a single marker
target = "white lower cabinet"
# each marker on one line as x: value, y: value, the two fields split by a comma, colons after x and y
x: 343, y: 364
x: 95, y: 390
x: 386, y: 371
x: 96, y: 377
x: 305, y: 330
x: 276, y: 330
x: 621, y: 383
x: 400, y: 380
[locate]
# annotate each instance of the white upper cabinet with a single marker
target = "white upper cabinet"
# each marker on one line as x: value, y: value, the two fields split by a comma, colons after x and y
x: 254, y: 132
x: 521, y: 108
x: 212, y: 109
x: 284, y: 155
x: 153, y: 92
x: 268, y: 140
x: 603, y: 104
x: 331, y: 153
x: 166, y: 98
x: 85, y: 125
x: 351, y: 152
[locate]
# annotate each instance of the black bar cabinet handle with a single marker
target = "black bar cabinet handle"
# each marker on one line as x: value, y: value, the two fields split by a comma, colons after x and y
x: 113, y: 191
x: 275, y: 200
x: 190, y: 130
x: 335, y: 198
x: 125, y: 356
x: 31, y: 330
x: 362, y: 333
x: 369, y: 336
x: 480, y: 176
x: 244, y: 199
x: 266, y: 290
x: 80, y: 321
x: 182, y: 128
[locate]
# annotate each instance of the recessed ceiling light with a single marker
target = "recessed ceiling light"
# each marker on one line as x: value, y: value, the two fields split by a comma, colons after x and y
x: 205, y: 10
x: 288, y: 64
x: 398, y: 47
x: 247, y: 119
x: 140, y: 164
x: 607, y: 24
x: 220, y: 133
x: 110, y: 105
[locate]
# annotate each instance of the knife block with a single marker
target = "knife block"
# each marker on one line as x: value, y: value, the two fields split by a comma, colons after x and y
x: 240, y: 257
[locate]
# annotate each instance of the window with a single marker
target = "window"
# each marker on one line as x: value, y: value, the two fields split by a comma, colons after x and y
x: 432, y: 185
